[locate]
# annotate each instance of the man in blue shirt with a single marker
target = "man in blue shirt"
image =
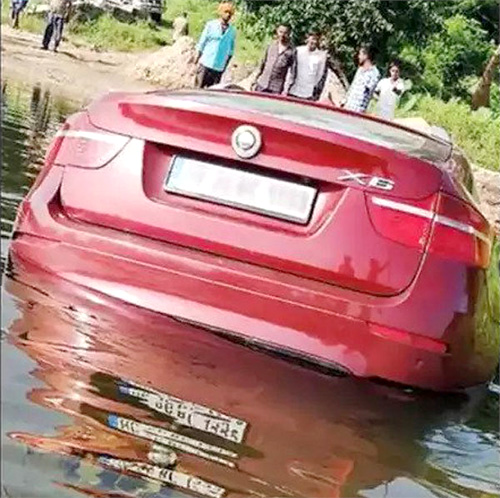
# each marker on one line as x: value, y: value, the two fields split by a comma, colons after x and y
x: 216, y: 47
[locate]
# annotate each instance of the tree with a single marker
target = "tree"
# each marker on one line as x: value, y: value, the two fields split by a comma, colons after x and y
x: 444, y: 44
x: 481, y: 96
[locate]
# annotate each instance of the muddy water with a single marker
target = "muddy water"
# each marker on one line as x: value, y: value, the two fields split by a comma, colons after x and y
x: 103, y: 400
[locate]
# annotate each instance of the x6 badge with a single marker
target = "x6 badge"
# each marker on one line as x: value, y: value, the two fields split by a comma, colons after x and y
x: 367, y: 180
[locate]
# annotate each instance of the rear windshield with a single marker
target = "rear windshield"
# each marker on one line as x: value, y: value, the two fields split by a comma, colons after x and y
x: 406, y: 141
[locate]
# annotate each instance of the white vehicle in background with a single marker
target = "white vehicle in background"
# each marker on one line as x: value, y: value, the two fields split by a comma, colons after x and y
x: 142, y: 8
x: 148, y: 9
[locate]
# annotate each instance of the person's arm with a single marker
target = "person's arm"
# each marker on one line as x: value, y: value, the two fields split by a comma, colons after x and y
x: 231, y: 49
x: 201, y: 43
x: 293, y: 73
x: 376, y: 93
x: 318, y: 89
x: 372, y: 82
x: 399, y: 88
x: 261, y: 66
x: 227, y: 63
x: 348, y: 93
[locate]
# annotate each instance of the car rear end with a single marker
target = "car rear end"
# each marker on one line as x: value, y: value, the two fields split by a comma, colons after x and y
x: 321, y: 234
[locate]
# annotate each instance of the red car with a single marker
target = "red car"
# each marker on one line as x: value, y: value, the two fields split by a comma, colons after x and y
x: 340, y: 239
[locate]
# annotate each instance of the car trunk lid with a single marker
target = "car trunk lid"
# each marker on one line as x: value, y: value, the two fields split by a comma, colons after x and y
x: 330, y: 164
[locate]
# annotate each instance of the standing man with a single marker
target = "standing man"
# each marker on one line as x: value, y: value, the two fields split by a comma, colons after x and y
x: 364, y: 83
x: 59, y: 13
x: 388, y: 92
x: 216, y: 47
x: 309, y: 72
x: 16, y: 7
x: 277, y: 62
x: 181, y: 26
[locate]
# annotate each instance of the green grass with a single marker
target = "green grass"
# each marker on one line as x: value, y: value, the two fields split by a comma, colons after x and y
x: 108, y: 33
x: 199, y: 11
x: 33, y: 24
x: 475, y: 132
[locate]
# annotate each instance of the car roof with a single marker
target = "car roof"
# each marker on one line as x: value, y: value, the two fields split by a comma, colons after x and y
x: 358, y: 126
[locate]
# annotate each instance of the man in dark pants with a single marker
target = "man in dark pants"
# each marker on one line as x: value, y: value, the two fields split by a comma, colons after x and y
x: 278, y: 60
x: 216, y: 47
x: 16, y: 8
x: 58, y: 14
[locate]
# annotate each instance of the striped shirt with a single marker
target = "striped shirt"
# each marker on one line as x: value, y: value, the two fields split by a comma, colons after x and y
x: 361, y: 90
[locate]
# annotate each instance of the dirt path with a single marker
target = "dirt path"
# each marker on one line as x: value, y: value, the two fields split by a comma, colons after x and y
x: 75, y: 72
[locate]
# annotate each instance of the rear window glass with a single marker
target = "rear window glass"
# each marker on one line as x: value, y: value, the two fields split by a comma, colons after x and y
x: 358, y: 127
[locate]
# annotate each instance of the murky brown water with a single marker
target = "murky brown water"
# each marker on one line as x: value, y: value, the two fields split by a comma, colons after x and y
x: 100, y: 399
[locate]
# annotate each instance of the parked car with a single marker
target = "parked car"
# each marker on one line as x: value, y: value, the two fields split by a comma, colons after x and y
x: 151, y: 9
x: 146, y: 8
x: 337, y: 238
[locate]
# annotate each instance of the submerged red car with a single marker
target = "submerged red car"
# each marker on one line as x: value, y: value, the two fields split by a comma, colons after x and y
x: 340, y: 239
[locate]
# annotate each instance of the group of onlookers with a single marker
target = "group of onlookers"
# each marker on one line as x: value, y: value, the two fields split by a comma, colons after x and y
x: 299, y: 72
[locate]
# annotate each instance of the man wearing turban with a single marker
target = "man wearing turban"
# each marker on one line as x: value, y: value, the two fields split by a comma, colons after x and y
x: 215, y: 47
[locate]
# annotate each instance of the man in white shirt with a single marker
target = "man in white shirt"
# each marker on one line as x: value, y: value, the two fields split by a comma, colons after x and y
x: 388, y: 92
x: 309, y: 71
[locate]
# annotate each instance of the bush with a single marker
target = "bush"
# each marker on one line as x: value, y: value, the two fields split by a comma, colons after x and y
x: 441, y: 42
x: 461, y: 49
x: 476, y: 132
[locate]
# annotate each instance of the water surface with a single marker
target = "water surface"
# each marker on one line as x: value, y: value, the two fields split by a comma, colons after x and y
x: 104, y: 400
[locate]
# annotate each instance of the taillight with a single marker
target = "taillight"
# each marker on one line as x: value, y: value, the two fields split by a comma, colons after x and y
x: 85, y: 146
x: 458, y: 231
x: 55, y: 146
x: 50, y: 157
x: 461, y: 233
x: 408, y: 224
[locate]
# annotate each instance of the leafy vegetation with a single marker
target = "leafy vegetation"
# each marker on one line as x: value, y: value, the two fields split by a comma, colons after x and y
x: 107, y: 32
x: 444, y: 46
x: 442, y: 43
x: 476, y: 132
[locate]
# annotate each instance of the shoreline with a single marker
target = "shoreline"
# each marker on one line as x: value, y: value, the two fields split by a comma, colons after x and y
x: 77, y: 73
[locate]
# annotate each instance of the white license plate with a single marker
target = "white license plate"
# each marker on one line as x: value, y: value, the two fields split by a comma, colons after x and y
x: 241, y: 189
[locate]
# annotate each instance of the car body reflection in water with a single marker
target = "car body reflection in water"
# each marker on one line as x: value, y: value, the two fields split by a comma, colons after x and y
x: 155, y: 407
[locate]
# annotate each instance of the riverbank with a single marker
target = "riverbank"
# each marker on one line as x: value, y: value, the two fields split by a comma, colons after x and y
x: 74, y: 72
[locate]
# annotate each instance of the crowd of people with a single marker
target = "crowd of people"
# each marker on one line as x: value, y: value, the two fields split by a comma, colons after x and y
x: 298, y: 72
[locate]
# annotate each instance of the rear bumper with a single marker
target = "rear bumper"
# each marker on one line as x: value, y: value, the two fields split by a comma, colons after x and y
x: 322, y: 323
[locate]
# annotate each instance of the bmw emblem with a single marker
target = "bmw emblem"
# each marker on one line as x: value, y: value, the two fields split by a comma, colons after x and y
x: 246, y: 141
